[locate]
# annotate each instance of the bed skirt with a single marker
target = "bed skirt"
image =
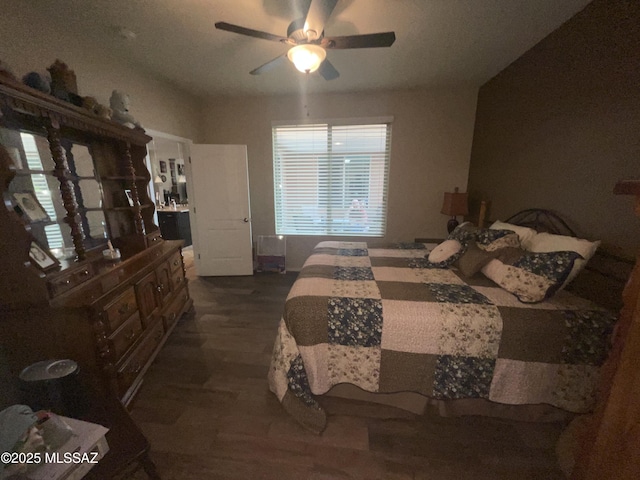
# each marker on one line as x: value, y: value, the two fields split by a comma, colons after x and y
x: 419, y: 405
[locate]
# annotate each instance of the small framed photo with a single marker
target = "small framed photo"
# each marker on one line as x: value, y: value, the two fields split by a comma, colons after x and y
x: 42, y: 258
x: 29, y: 205
x: 16, y: 159
x: 180, y: 169
x: 129, y: 197
x: 163, y: 166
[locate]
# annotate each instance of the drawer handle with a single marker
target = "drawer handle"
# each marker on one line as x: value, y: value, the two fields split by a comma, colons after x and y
x: 123, y: 309
x: 176, y: 262
x: 178, y: 280
x: 131, y: 335
x: 67, y: 281
x: 159, y: 288
x: 85, y: 273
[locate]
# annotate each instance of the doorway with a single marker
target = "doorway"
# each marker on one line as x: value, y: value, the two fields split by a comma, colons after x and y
x: 168, y: 164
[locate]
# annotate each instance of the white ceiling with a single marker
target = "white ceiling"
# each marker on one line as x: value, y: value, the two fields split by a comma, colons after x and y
x: 438, y: 42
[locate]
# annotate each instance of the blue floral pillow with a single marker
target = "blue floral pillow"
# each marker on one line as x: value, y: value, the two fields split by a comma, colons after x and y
x: 491, y: 240
x: 531, y: 276
x: 464, y: 233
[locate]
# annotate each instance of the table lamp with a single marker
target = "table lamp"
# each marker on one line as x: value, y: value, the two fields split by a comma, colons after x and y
x: 455, y: 203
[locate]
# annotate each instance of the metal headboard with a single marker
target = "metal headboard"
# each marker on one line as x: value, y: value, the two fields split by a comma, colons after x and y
x: 541, y: 221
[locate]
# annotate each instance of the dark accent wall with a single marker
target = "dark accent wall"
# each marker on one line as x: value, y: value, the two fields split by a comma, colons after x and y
x: 558, y: 127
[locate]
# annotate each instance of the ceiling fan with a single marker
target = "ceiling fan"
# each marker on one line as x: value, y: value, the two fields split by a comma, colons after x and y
x: 308, y: 43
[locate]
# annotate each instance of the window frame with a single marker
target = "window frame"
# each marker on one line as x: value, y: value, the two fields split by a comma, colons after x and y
x: 378, y: 159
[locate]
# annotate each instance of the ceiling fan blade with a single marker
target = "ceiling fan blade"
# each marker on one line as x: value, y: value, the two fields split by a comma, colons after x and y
x: 328, y: 71
x: 271, y: 64
x: 248, y: 31
x: 318, y: 14
x: 371, y: 40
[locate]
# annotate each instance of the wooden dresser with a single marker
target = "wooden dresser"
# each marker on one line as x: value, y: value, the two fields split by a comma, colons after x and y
x: 71, y: 181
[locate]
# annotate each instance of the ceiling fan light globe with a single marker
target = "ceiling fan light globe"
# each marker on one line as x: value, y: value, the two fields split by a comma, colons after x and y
x: 307, y: 58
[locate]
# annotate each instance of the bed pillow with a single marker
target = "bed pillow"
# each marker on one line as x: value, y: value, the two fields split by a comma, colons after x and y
x: 491, y: 240
x: 531, y: 276
x: 547, y: 242
x: 473, y: 259
x: 466, y: 234
x: 450, y: 250
x: 525, y: 234
x: 444, y: 251
x: 463, y: 233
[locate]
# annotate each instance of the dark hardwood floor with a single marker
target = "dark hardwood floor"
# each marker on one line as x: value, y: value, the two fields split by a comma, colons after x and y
x: 207, y: 411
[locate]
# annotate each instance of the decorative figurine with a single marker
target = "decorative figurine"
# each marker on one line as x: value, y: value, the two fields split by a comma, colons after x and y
x: 39, y: 81
x: 91, y: 104
x: 63, y: 81
x: 119, y: 102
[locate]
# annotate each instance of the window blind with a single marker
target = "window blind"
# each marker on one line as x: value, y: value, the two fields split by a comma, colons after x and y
x: 331, y: 179
x: 41, y: 189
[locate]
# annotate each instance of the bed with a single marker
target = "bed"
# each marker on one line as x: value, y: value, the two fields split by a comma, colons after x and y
x: 390, y: 321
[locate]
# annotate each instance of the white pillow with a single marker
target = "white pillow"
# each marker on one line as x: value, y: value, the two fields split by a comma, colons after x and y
x: 444, y: 251
x: 548, y: 242
x: 525, y: 234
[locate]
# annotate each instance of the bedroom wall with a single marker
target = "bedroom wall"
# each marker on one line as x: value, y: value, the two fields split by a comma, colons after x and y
x: 558, y: 127
x: 430, y: 149
x: 29, y: 43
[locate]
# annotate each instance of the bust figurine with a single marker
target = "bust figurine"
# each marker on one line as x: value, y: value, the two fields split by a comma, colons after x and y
x: 119, y: 103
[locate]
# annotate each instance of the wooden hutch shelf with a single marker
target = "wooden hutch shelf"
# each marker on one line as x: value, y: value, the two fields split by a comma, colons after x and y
x: 63, y: 176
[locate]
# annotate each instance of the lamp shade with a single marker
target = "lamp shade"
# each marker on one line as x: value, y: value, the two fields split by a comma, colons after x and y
x: 307, y: 57
x: 454, y: 204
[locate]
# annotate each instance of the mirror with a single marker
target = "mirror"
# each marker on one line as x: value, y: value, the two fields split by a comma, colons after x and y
x: 88, y: 192
x: 35, y: 194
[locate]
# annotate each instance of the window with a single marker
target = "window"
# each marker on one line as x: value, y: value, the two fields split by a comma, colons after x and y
x: 331, y: 179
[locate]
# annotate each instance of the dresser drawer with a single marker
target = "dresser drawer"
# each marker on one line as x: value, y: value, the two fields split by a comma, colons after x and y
x: 121, y: 309
x: 172, y: 313
x: 138, y: 359
x: 175, y: 261
x: 66, y: 282
x: 126, y: 335
x: 177, y: 280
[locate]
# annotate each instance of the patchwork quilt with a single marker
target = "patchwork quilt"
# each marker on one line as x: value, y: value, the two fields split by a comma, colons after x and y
x: 388, y: 320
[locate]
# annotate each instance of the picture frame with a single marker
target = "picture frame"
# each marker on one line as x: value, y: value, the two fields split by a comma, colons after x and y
x: 42, y: 258
x: 163, y: 166
x: 28, y: 205
x: 129, y: 197
x: 180, y: 169
x: 16, y: 159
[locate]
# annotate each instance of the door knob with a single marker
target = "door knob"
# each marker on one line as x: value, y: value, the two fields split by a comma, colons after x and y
x: 245, y: 220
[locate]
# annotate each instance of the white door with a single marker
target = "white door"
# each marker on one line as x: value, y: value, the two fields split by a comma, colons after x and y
x: 219, y: 203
